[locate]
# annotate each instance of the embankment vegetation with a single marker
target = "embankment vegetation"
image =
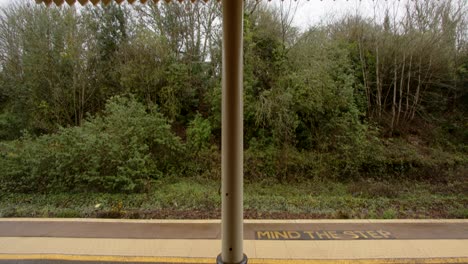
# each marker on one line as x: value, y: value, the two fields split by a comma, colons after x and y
x: 123, y: 101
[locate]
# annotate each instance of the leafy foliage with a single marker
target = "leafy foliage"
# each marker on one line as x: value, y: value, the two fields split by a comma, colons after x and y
x: 122, y: 149
x: 198, y: 134
x: 349, y: 99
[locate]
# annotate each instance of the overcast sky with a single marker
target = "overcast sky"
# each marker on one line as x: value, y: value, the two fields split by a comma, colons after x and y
x: 311, y: 12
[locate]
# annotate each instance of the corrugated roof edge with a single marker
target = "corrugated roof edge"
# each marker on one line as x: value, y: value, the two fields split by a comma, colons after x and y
x: 106, y: 2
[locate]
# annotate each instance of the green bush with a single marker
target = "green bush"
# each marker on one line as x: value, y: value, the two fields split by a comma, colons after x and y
x: 9, y: 125
x: 122, y: 149
x: 267, y: 162
x: 198, y: 134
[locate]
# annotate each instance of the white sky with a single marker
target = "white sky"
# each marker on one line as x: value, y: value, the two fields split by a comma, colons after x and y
x: 311, y: 11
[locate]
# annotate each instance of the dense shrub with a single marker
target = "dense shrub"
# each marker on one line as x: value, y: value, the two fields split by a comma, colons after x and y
x: 203, y: 157
x: 198, y: 134
x: 355, y: 98
x: 122, y: 149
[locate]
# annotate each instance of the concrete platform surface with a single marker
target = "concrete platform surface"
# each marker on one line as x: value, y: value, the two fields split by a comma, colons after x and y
x: 115, y: 241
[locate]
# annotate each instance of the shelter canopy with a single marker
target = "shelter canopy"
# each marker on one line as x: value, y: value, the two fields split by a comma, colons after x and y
x: 106, y: 2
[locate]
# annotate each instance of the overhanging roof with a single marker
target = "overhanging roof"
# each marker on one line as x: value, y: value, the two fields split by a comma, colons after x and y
x: 106, y: 2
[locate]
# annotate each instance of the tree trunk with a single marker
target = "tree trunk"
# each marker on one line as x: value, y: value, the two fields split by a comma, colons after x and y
x: 82, y: 102
x: 394, y: 94
x: 364, y: 76
x: 418, y: 91
x: 379, y: 88
x: 401, y: 89
x: 408, y: 87
x: 418, y: 88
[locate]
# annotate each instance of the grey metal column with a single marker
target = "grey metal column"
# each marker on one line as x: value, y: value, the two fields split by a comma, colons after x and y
x: 232, y: 145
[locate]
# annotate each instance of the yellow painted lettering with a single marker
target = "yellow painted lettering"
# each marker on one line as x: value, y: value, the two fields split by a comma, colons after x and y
x: 361, y: 233
x: 322, y: 235
x: 373, y: 234
x: 333, y: 234
x: 310, y: 233
x: 261, y: 234
x: 384, y: 233
x: 351, y: 233
x: 294, y: 234
x: 279, y: 234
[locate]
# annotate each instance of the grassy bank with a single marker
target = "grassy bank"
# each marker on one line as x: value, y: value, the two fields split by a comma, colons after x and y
x: 199, y: 198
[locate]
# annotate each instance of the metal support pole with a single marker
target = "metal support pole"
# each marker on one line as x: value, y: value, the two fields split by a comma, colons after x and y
x: 232, y: 145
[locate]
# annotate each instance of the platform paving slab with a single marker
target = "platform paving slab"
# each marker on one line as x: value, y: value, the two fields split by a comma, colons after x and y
x: 336, y: 249
x: 38, y: 241
x: 137, y: 229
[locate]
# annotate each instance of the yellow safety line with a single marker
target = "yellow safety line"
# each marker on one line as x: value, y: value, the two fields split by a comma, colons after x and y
x: 103, y: 258
x: 212, y: 260
x: 361, y: 261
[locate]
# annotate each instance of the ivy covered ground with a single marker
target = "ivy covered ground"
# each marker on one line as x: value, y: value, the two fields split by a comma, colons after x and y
x: 189, y: 198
